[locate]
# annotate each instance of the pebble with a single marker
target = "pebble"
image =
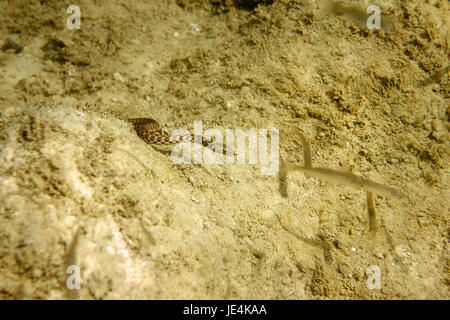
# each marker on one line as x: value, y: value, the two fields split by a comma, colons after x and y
x: 379, y: 255
x: 118, y: 77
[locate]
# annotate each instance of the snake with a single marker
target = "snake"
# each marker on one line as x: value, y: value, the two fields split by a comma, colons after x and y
x: 149, y: 130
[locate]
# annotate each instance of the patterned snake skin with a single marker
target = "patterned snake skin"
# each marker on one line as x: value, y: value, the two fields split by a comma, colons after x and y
x: 150, y: 131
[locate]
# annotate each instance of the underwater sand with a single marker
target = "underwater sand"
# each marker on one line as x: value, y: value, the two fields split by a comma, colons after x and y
x: 78, y: 186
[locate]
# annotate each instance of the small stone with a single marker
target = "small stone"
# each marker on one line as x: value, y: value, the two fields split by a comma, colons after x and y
x: 118, y: 77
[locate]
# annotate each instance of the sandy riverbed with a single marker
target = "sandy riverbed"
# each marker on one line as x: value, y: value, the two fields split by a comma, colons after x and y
x: 152, y: 229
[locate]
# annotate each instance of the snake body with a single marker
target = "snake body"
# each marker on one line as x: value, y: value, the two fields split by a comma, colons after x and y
x: 149, y: 130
